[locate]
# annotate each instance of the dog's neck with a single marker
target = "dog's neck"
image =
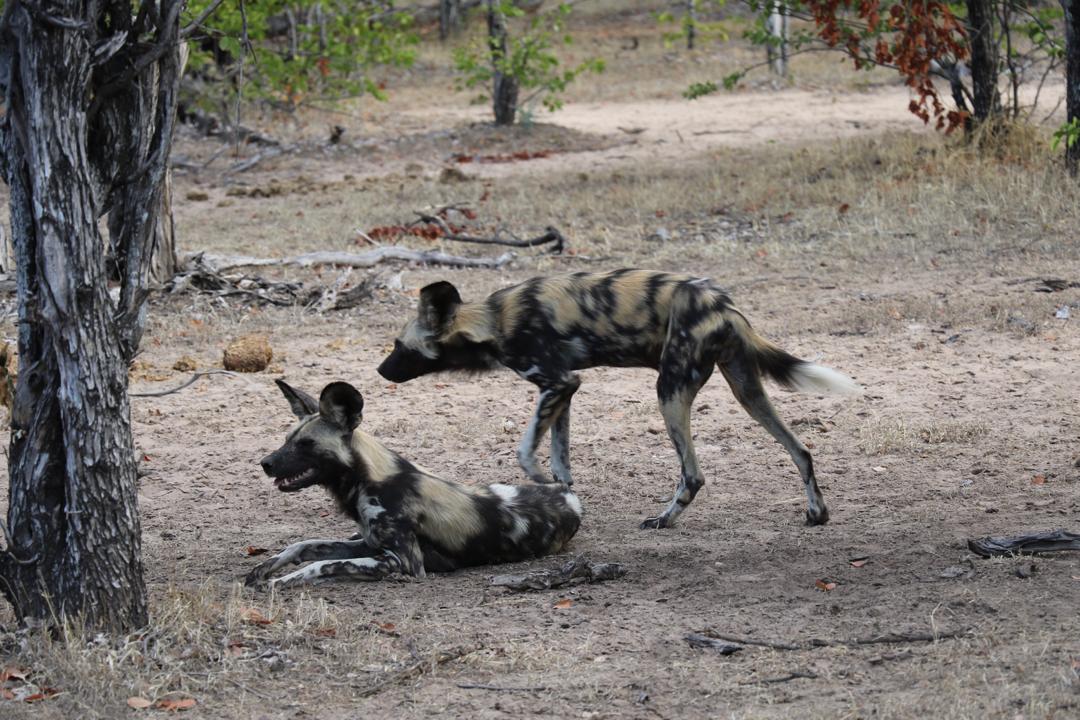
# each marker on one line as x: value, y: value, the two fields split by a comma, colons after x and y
x: 473, y: 321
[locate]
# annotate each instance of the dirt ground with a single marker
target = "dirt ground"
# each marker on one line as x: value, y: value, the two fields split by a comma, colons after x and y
x: 844, y: 231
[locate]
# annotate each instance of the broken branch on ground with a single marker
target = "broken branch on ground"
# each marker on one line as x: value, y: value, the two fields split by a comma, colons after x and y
x: 576, y: 571
x: 1044, y: 542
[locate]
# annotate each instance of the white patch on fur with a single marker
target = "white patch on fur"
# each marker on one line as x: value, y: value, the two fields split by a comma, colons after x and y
x: 574, y: 502
x: 520, y: 529
x: 808, y: 377
x: 507, y: 493
x: 526, y: 374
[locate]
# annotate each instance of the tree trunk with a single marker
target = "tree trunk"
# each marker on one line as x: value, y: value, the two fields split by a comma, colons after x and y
x: 449, y: 18
x: 88, y: 128
x: 1072, y: 79
x: 504, y: 94
x: 778, y: 28
x: 986, y: 101
x: 691, y: 23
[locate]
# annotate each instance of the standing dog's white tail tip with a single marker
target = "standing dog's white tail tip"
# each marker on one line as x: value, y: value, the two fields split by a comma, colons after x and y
x: 813, y: 378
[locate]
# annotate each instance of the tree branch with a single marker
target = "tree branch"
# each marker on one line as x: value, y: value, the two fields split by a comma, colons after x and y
x: 195, y: 24
x: 220, y: 263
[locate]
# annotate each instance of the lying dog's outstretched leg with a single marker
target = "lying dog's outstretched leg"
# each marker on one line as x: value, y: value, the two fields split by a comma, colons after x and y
x: 555, y: 396
x: 305, y: 551
x: 364, y: 568
x: 399, y: 553
x: 683, y: 371
x: 746, y: 385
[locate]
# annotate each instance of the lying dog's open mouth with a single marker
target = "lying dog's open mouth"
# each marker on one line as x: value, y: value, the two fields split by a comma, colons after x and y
x: 296, y: 482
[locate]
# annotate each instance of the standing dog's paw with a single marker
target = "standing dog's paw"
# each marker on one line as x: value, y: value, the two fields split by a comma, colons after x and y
x: 654, y: 523
x: 819, y: 519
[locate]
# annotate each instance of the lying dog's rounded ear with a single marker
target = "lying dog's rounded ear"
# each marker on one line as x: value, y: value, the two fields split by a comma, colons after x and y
x: 301, y: 403
x: 342, y: 404
x: 438, y: 303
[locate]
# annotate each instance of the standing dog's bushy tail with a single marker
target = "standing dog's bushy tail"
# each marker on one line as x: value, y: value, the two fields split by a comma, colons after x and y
x: 785, y: 368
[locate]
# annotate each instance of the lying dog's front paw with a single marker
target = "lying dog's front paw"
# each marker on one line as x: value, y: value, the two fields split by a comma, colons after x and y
x: 260, y: 574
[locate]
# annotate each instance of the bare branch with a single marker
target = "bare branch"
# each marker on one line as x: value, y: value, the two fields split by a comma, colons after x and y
x: 178, y: 388
x: 195, y: 24
x: 220, y: 263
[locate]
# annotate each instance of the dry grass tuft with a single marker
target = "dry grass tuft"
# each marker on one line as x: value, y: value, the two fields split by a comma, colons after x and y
x: 900, y: 436
x: 197, y: 645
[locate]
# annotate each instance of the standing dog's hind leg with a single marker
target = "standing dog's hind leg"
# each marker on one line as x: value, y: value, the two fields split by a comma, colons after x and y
x: 748, y: 390
x: 676, y: 389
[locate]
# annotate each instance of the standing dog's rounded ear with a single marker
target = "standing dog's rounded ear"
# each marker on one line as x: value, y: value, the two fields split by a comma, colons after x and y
x: 342, y: 404
x: 301, y: 403
x: 438, y: 303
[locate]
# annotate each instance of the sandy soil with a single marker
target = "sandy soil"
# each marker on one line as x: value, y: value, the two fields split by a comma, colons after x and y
x: 958, y: 417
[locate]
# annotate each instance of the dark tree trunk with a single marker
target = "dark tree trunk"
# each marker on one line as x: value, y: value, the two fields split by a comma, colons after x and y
x: 505, y: 87
x: 1072, y: 78
x: 691, y: 23
x: 449, y: 18
x: 88, y: 130
x: 986, y: 101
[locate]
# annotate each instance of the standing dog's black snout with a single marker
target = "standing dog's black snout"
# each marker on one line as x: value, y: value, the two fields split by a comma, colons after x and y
x: 267, y: 465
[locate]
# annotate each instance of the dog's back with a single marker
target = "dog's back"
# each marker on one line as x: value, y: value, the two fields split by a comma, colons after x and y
x: 618, y: 318
x: 460, y: 525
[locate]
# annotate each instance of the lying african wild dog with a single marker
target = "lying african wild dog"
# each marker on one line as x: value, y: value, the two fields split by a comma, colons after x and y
x: 410, y: 521
x: 546, y: 328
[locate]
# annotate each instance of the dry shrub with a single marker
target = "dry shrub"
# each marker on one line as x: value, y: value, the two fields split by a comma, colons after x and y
x: 250, y: 353
x: 197, y: 645
x: 899, y: 436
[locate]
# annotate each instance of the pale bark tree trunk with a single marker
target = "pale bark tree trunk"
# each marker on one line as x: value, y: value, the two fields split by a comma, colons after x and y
x: 778, y: 28
x: 1072, y: 78
x: 986, y: 100
x: 88, y: 130
x: 504, y: 92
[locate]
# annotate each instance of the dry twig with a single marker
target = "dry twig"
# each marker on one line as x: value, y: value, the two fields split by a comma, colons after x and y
x: 178, y: 388
x: 417, y: 668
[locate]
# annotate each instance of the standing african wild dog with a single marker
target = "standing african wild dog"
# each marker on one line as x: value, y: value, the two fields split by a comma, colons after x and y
x: 546, y: 328
x: 410, y: 521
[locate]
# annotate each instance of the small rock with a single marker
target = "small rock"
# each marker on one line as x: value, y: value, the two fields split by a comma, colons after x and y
x: 1026, y: 570
x: 452, y: 175
x: 1062, y: 313
x: 186, y: 364
x: 953, y: 571
x: 660, y: 234
x: 197, y: 196
x: 250, y: 353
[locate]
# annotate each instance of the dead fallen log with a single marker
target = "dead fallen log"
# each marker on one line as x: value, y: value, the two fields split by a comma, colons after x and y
x: 551, y: 235
x: 1044, y: 542
x: 221, y: 263
x: 576, y: 571
x: 202, y: 278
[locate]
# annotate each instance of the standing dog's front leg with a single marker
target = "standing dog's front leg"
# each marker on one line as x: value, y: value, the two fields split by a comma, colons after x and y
x: 308, y: 550
x: 554, y: 402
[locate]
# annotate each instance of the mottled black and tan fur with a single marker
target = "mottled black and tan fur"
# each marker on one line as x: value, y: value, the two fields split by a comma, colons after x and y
x: 410, y: 520
x: 546, y: 328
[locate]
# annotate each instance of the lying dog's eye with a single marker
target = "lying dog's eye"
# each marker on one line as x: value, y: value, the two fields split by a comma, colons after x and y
x: 305, y: 443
